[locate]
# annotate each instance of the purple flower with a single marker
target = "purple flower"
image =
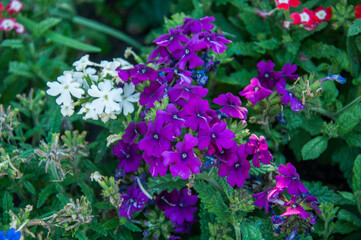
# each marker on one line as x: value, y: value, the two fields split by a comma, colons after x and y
x: 141, y: 73
x: 185, y: 91
x: 295, y: 209
x: 151, y: 94
x: 184, y: 75
x: 287, y: 71
x: 191, y: 25
x: 288, y: 97
x: 290, y: 180
x: 156, y: 165
x: 164, y: 55
x: 201, y: 77
x: 167, y: 200
x: 184, y: 228
x: 128, y: 156
x: 264, y: 198
x: 227, y: 156
x: 157, y: 139
x: 172, y: 116
x: 172, y: 39
x: 313, y: 203
x: 11, y: 234
x: 195, y: 112
x: 267, y: 77
x: 232, y: 106
x: 259, y: 148
x: 185, y: 161
x: 238, y: 171
x: 180, y: 208
x: 187, y: 54
x: 133, y: 201
x: 255, y: 92
x: 337, y: 78
x: 218, y: 135
x: 209, y: 63
x: 215, y: 41
x: 133, y: 131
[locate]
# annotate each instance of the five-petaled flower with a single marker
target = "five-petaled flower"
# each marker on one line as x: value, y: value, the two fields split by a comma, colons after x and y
x: 290, y: 180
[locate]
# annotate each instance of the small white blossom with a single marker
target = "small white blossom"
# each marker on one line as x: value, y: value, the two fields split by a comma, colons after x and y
x: 109, y: 68
x: 105, y: 117
x: 124, y: 64
x: 67, y: 110
x: 126, y: 104
x: 89, y: 72
x: 108, y: 98
x: 96, y: 176
x: 82, y: 63
x: 65, y: 87
x: 89, y: 111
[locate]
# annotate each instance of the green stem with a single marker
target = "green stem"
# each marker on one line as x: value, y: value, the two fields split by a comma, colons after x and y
x: 356, y: 100
x: 324, y: 112
x: 237, y: 231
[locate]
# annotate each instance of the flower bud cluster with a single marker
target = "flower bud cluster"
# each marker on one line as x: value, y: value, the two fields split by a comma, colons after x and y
x: 7, y: 24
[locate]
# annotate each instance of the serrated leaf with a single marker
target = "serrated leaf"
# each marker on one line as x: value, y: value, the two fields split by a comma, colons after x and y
x: 99, y: 228
x: 349, y: 118
x: 30, y: 187
x: 80, y: 235
x: 356, y: 177
x: 323, y: 194
x: 344, y: 156
x: 63, y: 198
x: 12, y: 43
x: 330, y: 93
x: 313, y: 148
x: 45, y: 25
x: 111, y: 224
x: 344, y: 227
x: 132, y: 227
x: 45, y: 194
x: 21, y: 69
x: 250, y: 231
x: 353, y: 55
x: 166, y: 182
x: 263, y: 169
x: 349, y: 217
x: 349, y: 196
x: 103, y: 205
x: 88, y: 191
x: 355, y: 28
x: 353, y: 139
x: 240, y: 78
x: 7, y: 202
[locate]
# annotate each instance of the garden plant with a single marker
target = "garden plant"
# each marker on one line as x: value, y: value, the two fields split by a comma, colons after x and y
x: 225, y: 119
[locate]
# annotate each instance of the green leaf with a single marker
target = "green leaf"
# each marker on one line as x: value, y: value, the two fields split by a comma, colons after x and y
x: 356, y: 178
x: 353, y: 139
x: 132, y: 227
x: 313, y: 148
x: 29, y: 187
x: 111, y: 224
x: 349, y: 217
x: 45, y: 25
x: 355, y: 28
x: 99, y: 228
x: 80, y: 235
x: 45, y: 194
x: 349, y: 196
x: 353, y: 55
x: 103, y: 205
x: 250, y: 231
x: 21, y: 69
x: 344, y: 156
x: 344, y: 227
x: 12, y: 43
x: 330, y: 93
x: 166, y: 183
x: 349, y: 118
x: 88, y: 191
x: 240, y: 78
x: 7, y: 202
x: 323, y: 194
x: 263, y: 169
x: 63, y: 198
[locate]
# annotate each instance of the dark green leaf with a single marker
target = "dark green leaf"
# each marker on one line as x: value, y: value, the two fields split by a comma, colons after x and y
x: 250, y: 231
x: 355, y: 28
x: 356, y: 179
x: 349, y: 118
x: 45, y: 194
x: 313, y: 148
x: 45, y: 25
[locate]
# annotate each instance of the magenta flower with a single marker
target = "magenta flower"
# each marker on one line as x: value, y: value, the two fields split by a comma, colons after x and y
x: 188, y: 55
x: 215, y: 41
x: 238, y: 171
x: 267, y: 77
x: 228, y: 156
x: 290, y: 180
x: 288, y: 70
x: 185, y: 91
x: 185, y: 161
x: 269, y: 196
x: 259, y: 148
x: 172, y: 116
x: 162, y: 52
x: 288, y: 97
x: 183, y: 75
x: 218, y: 135
x: 133, y: 201
x: 141, y: 73
x: 232, y: 106
x: 313, y: 203
x: 172, y: 40
x: 151, y: 94
x: 295, y: 209
x: 155, y: 165
x: 255, y: 92
x: 195, y: 112
x: 133, y: 131
x: 128, y: 156
x: 191, y: 25
x: 157, y: 139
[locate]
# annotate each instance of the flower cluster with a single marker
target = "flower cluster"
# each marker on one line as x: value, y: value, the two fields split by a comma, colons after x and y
x: 301, y: 204
x: 132, y: 201
x: 179, y: 208
x: 267, y: 80
x: 101, y: 94
x: 310, y: 19
x: 8, y: 24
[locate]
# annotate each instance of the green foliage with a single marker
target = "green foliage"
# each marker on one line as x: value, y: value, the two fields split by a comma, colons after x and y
x: 166, y: 183
x: 313, y: 148
x: 250, y: 231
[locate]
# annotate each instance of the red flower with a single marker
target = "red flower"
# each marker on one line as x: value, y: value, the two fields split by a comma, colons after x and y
x: 305, y: 17
x: 358, y: 11
x: 322, y: 14
x: 285, y: 4
x: 14, y: 7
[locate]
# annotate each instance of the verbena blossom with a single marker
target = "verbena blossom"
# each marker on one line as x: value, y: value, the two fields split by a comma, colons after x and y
x: 255, y: 92
x: 192, y: 25
x: 263, y: 199
x: 140, y: 73
x: 215, y: 41
x: 174, y: 117
x: 82, y: 63
x: 172, y: 40
x: 286, y: 4
x: 358, y: 11
x: 259, y: 148
x: 232, y: 106
x: 305, y: 17
x: 188, y: 55
x: 289, y: 98
x: 266, y: 76
x: 164, y: 57
x: 217, y: 135
x: 238, y: 171
x: 151, y: 94
x: 183, y: 162
x: 331, y: 77
x: 196, y: 114
x: 200, y: 76
x: 128, y: 98
x: 227, y: 156
x: 185, y: 91
x: 323, y: 14
x: 133, y: 201
x: 295, y: 209
x: 290, y: 180
x: 313, y: 203
x: 288, y: 70
x: 128, y: 155
x: 107, y: 98
x: 11, y: 234
x: 156, y: 165
x: 184, y: 76
x: 109, y: 68
x: 134, y: 130
x: 157, y: 139
x: 14, y: 7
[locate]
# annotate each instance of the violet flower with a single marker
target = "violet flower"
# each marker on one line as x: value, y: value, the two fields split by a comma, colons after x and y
x: 290, y: 180
x: 156, y: 165
x: 191, y: 25
x: 151, y: 94
x: 128, y: 156
x: 11, y: 234
x: 313, y: 203
x: 185, y: 91
x: 166, y: 200
x: 133, y: 131
x: 218, y: 135
x: 228, y: 156
x: 259, y: 148
x: 295, y: 209
x: 164, y: 55
x: 238, y: 171
x: 184, y: 75
x: 185, y: 161
x: 255, y: 92
x: 133, y: 201
x: 195, y: 112
x: 172, y: 39
x: 287, y: 71
x: 201, y: 77
x: 215, y: 41
x: 267, y: 77
x: 232, y: 106
x: 172, y: 116
x: 157, y: 139
x: 288, y: 97
x: 277, y: 222
x: 188, y: 55
x: 269, y: 196
x: 141, y: 73
x: 209, y: 63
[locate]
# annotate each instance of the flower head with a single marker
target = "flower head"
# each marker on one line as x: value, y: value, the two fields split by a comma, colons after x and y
x: 107, y: 97
x: 259, y: 148
x: 290, y: 180
x: 358, y: 11
x: 267, y: 77
x: 288, y: 70
x: 255, y: 92
x: 172, y: 40
x: 133, y: 131
x: 151, y: 94
x: 141, y: 73
x: 174, y: 117
x: 295, y: 209
x: 288, y: 97
x: 156, y: 165
x: 82, y: 63
x: 192, y: 25
x: 322, y: 14
x: 196, y: 114
x: 215, y: 41
x: 133, y: 201
x: 232, y: 106
x: 128, y: 98
x: 305, y: 17
x: 128, y: 156
x: 11, y: 234
x: 185, y: 91
x: 285, y: 4
x: 7, y: 24
x: 188, y: 55
x: 14, y: 7
x: 217, y: 135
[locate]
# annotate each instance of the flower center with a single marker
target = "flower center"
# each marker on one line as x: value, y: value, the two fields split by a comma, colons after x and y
x: 176, y: 71
x: 294, y: 206
x: 199, y: 75
x: 187, y: 89
x: 208, y: 38
x: 304, y: 17
x: 295, y: 178
x: 171, y: 38
x: 144, y: 70
x: 213, y: 135
x: 155, y: 136
x: 283, y: 1
x: 266, y: 75
x: 187, y: 51
x: 127, y: 156
x: 175, y: 117
x: 321, y: 14
x: 184, y: 156
x: 181, y: 204
x: 236, y: 165
x: 106, y: 97
x: 256, y: 89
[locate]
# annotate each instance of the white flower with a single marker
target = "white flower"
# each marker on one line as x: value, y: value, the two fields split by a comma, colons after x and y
x: 124, y: 64
x: 107, y: 97
x: 80, y: 77
x: 89, y: 111
x: 66, y: 87
x: 82, y: 63
x: 105, y: 117
x: 126, y: 104
x: 67, y: 110
x: 109, y: 68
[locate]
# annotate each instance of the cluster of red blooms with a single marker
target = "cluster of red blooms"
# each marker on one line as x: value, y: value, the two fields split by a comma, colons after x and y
x: 8, y: 24
x: 358, y: 11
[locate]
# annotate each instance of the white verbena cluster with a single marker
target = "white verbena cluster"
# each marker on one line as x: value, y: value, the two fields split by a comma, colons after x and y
x: 96, y: 91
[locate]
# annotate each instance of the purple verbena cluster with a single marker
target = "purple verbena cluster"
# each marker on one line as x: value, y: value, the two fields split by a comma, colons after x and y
x: 301, y: 206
